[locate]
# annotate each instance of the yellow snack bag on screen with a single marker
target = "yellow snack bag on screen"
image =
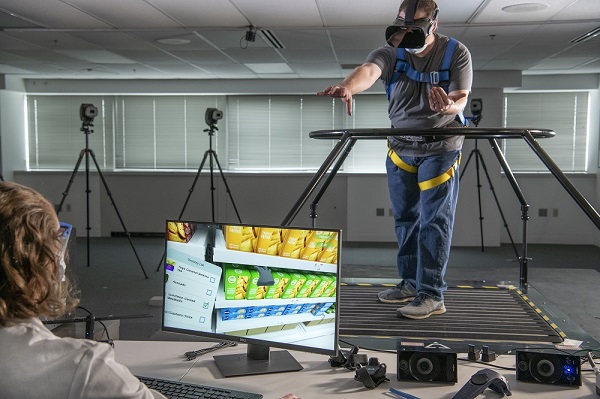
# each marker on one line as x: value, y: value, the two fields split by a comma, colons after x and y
x: 315, y: 241
x: 268, y: 241
x: 239, y: 238
x: 293, y: 243
x: 329, y: 252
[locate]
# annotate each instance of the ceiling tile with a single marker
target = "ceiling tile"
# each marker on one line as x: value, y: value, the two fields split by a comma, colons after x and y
x: 52, y: 14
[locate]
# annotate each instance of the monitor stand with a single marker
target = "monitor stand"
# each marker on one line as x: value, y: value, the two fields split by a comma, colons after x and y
x: 257, y: 360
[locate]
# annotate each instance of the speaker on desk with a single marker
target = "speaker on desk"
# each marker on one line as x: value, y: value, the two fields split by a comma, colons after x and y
x: 427, y: 365
x: 548, y: 366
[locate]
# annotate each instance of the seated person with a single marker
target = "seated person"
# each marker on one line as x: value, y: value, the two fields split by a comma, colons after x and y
x: 35, y: 363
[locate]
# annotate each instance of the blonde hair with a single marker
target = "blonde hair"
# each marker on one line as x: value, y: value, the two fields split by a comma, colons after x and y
x: 30, y: 280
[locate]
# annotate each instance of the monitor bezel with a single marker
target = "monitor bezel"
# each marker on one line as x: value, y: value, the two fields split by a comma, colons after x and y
x: 254, y: 341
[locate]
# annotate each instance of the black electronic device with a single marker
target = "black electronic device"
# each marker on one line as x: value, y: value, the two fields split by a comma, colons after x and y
x: 212, y: 116
x: 548, y: 366
x: 349, y: 359
x: 476, y: 106
x: 482, y: 380
x: 430, y: 363
x: 212, y: 289
x: 176, y: 389
x: 414, y: 31
x: 87, y: 112
x: 372, y: 374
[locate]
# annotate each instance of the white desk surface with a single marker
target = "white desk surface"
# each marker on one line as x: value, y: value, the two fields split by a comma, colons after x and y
x: 164, y: 359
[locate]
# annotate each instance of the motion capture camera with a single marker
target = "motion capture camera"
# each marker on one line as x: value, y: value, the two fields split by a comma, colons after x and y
x: 476, y: 106
x: 371, y: 375
x: 212, y: 116
x: 87, y: 112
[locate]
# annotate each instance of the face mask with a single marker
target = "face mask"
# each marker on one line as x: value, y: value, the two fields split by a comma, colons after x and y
x: 416, y: 50
x: 65, y: 235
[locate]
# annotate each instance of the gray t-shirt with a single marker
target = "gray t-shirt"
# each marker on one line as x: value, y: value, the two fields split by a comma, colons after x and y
x: 409, y: 104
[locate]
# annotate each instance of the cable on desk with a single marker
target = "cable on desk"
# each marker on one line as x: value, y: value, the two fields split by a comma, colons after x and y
x: 191, y: 355
x: 108, y: 340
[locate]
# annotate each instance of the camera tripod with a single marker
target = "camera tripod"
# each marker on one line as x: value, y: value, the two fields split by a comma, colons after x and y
x: 479, y: 160
x: 87, y: 152
x: 211, y: 155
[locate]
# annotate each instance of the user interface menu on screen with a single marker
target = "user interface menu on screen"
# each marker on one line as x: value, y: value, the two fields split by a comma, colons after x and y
x: 260, y: 284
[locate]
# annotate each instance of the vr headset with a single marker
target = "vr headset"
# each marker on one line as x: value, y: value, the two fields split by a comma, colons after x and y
x: 415, y: 31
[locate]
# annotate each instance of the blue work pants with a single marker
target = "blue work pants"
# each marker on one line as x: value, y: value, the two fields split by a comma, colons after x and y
x: 424, y: 219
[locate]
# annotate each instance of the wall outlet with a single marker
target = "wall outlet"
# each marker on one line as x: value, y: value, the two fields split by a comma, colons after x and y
x: 543, y: 212
x: 380, y: 212
x: 555, y: 212
x: 68, y: 207
x: 390, y: 212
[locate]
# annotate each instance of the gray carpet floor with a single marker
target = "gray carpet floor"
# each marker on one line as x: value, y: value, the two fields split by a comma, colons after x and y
x: 564, y: 280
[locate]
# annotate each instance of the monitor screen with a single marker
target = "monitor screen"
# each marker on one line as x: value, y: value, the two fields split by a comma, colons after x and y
x: 267, y: 286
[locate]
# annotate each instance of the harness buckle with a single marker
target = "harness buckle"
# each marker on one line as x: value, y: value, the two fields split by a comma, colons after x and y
x: 434, y: 77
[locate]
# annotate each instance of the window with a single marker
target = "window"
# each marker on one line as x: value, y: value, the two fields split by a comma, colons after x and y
x: 566, y: 113
x: 55, y: 135
x: 257, y: 133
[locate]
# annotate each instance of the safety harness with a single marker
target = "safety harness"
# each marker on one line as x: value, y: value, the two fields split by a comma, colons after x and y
x: 442, y: 78
x: 427, y: 184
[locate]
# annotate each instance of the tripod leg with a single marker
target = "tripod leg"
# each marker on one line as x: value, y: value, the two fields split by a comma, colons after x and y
x: 464, y: 168
x: 477, y: 159
x: 475, y: 152
x: 112, y: 201
x: 214, y: 154
x: 190, y: 191
x: 499, y: 207
x: 66, y: 192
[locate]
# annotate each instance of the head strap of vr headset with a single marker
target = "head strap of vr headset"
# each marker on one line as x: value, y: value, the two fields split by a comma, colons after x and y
x: 411, y: 10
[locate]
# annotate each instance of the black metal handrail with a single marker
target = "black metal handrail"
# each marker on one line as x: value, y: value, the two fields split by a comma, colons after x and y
x: 347, y: 138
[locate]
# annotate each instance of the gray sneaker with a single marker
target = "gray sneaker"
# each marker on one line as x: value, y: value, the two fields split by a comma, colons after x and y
x: 422, y: 307
x: 401, y: 293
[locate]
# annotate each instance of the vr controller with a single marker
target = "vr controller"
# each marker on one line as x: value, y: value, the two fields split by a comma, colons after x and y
x: 371, y: 375
x: 370, y: 372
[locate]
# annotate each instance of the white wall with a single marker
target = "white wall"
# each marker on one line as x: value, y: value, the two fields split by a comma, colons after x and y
x: 145, y: 200
x: 12, y: 126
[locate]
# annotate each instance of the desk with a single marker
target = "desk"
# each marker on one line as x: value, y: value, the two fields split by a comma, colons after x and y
x: 318, y: 379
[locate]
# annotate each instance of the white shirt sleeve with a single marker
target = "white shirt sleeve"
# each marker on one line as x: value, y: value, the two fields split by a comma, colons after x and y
x: 98, y: 375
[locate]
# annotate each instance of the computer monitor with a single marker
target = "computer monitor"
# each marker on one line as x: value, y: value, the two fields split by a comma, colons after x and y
x: 266, y: 286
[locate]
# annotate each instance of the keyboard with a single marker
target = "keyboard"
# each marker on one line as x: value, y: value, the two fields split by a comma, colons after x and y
x: 175, y: 390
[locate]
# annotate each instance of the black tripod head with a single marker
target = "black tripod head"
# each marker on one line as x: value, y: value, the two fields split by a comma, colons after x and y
x: 211, y: 129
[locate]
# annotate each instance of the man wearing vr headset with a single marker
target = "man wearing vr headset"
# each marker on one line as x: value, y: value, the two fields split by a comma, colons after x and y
x: 422, y: 171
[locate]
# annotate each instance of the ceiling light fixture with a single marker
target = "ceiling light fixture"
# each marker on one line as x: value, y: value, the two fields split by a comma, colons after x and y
x: 587, y: 36
x: 525, y: 7
x: 270, y: 38
x: 173, y: 41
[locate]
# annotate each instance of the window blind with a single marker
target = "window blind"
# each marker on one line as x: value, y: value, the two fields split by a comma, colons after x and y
x: 564, y: 112
x: 267, y: 132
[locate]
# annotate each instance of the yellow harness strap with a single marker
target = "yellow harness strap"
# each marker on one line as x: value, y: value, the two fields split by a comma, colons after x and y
x: 400, y: 163
x: 427, y: 184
